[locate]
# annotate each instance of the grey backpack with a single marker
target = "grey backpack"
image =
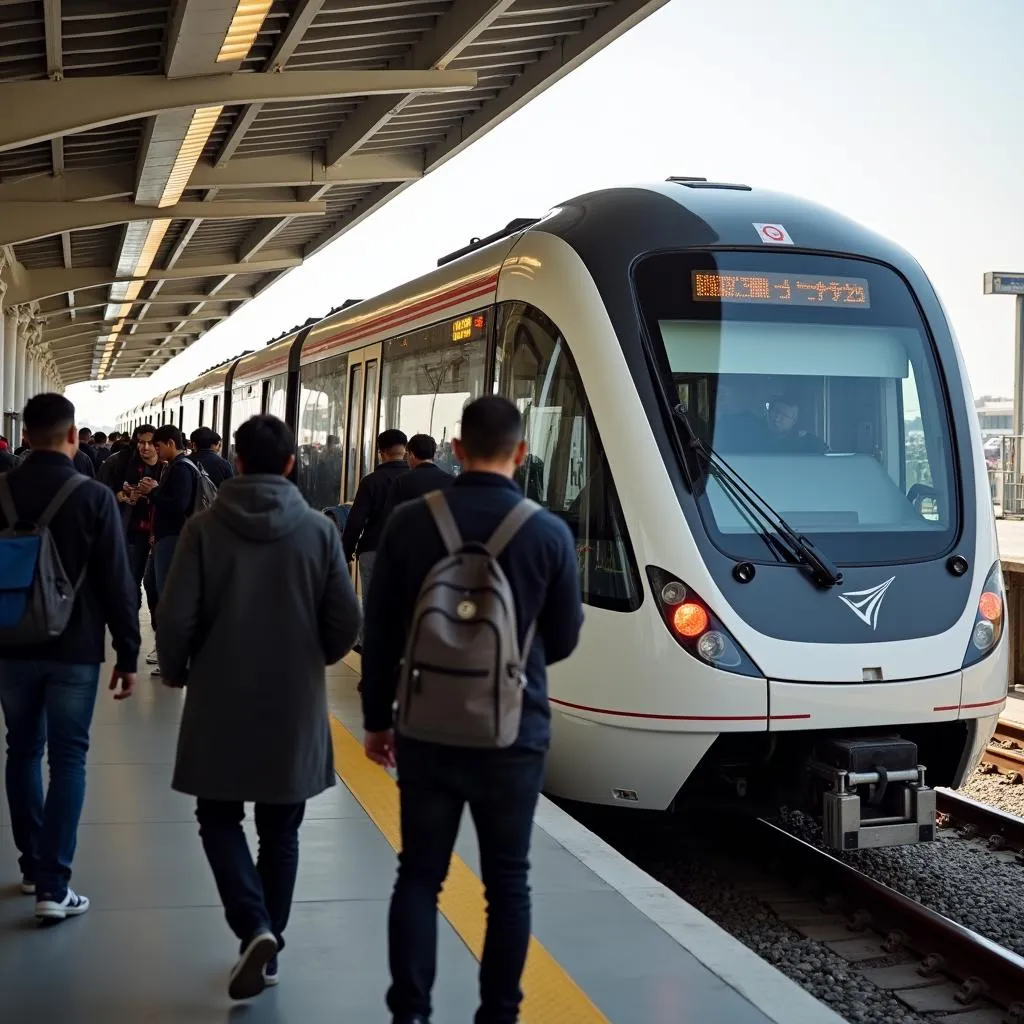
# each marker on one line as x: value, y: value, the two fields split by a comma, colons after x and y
x: 461, y: 680
x: 36, y: 596
x: 206, y: 489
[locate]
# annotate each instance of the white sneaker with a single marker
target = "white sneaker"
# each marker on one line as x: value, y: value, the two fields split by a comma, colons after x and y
x: 151, y: 657
x: 155, y: 671
x: 72, y: 905
x: 247, y: 978
x: 28, y: 887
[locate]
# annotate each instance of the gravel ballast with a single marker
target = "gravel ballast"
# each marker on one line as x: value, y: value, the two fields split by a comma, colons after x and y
x: 996, y: 791
x: 959, y: 878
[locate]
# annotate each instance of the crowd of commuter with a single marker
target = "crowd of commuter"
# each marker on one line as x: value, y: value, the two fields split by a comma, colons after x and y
x: 456, y: 572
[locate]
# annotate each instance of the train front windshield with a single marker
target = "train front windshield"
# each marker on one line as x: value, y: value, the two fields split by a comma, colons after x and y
x: 815, y: 379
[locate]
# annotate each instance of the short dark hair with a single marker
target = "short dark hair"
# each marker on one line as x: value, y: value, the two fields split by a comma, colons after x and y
x: 47, y: 419
x: 264, y: 444
x: 85, y: 433
x: 169, y: 432
x: 99, y: 437
x: 491, y: 428
x: 423, y: 446
x: 114, y: 435
x: 204, y: 438
x: 145, y: 428
x: 388, y: 440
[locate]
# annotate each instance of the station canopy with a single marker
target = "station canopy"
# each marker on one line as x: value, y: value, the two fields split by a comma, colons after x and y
x: 163, y: 162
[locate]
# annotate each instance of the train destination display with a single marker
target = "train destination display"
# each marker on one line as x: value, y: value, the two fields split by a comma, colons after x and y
x: 780, y: 289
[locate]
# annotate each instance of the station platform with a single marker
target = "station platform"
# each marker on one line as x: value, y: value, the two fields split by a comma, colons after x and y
x: 610, y: 943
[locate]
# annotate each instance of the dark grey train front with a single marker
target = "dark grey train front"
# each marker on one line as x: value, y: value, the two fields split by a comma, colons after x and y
x: 810, y: 408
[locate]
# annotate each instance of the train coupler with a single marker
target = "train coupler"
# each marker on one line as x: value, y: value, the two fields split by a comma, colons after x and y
x: 876, y: 793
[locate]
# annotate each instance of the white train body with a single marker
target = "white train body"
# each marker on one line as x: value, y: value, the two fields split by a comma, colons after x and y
x: 612, y: 321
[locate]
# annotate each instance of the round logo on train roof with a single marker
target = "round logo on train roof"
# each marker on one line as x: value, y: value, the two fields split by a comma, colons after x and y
x: 465, y: 609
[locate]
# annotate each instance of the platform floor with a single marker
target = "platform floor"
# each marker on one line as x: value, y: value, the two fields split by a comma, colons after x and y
x: 611, y: 944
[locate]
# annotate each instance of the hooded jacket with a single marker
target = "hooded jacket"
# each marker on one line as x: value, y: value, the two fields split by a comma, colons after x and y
x: 257, y: 603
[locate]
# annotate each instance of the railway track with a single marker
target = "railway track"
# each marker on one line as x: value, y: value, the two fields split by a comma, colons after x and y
x: 952, y: 969
x: 1002, y: 830
x: 1005, y: 752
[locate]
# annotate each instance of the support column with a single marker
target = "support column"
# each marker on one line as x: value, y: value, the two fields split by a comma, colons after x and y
x: 10, y: 361
x: 21, y: 366
x: 3, y: 335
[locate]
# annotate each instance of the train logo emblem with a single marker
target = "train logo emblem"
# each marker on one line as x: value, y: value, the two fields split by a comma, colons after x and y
x: 865, y: 604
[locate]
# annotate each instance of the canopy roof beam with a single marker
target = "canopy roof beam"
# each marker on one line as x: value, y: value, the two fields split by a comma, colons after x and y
x: 37, y: 111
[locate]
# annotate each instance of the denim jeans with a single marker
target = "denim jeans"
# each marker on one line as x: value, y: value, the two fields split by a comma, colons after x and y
x: 501, y: 788
x: 163, y: 555
x: 255, y: 896
x: 47, y: 704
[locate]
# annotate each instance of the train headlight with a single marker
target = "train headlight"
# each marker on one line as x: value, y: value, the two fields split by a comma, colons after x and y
x: 695, y: 627
x: 988, y: 621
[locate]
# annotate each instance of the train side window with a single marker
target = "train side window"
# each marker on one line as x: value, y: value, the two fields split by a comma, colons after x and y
x: 566, y: 470
x: 321, y: 422
x: 430, y: 376
x: 215, y: 420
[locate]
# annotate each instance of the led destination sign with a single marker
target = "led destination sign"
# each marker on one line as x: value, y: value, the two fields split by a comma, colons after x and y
x: 780, y: 289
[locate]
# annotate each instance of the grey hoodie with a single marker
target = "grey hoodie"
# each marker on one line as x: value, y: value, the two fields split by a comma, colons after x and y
x: 257, y: 603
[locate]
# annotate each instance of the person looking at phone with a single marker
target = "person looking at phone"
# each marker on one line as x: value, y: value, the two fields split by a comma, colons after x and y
x: 137, y: 509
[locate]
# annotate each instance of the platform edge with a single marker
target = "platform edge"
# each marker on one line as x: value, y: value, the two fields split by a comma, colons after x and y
x: 762, y: 985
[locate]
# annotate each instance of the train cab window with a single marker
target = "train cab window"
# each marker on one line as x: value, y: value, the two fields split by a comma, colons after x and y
x: 321, y: 421
x: 815, y: 379
x: 566, y: 469
x: 429, y: 377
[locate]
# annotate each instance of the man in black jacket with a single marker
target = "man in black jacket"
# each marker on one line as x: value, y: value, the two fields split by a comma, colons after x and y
x: 48, y: 690
x: 435, y: 780
x: 423, y: 476
x: 173, y: 499
x: 218, y: 469
x: 366, y: 519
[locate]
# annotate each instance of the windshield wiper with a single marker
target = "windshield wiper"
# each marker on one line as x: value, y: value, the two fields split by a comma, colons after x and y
x: 799, y: 547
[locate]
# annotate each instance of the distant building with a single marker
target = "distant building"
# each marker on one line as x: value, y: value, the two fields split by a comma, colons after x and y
x: 995, y: 415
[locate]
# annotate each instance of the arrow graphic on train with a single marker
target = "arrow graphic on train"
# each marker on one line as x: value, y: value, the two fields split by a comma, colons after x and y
x: 865, y: 604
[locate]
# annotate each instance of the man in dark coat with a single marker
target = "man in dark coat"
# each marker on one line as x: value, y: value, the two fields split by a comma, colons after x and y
x: 255, y: 725
x: 366, y: 520
x: 218, y: 469
x: 423, y: 477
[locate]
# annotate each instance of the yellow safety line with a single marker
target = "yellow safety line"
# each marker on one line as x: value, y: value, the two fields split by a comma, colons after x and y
x: 550, y: 994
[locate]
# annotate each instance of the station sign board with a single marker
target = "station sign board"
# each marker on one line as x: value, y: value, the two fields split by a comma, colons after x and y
x: 997, y: 283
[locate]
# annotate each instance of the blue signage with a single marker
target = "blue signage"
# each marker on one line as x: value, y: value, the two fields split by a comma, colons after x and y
x: 1004, y: 284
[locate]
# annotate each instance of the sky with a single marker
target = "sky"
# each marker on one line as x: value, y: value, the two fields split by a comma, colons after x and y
x: 902, y: 114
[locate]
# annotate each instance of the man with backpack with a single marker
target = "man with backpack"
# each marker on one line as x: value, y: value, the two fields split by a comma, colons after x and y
x: 463, y: 642
x: 65, y: 578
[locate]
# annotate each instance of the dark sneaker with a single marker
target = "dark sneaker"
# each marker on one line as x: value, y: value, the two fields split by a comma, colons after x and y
x: 247, y: 975
x: 270, y: 975
x: 28, y: 887
x: 49, y: 908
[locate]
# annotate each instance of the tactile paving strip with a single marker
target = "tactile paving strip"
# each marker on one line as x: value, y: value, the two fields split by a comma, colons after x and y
x: 550, y: 994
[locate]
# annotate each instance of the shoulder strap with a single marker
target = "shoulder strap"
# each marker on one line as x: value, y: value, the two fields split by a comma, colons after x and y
x: 7, y: 502
x: 511, y: 525
x: 69, y: 485
x: 444, y: 520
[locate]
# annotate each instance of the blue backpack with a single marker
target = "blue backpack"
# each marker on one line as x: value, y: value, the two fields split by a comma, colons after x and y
x: 36, y: 596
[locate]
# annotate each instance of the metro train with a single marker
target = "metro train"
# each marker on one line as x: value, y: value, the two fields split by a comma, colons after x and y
x: 754, y: 417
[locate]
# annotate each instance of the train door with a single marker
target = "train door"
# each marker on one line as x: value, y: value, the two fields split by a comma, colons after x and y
x: 361, y: 422
x: 363, y: 396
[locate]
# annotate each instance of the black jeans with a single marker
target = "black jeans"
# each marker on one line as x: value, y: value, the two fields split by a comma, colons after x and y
x: 138, y: 560
x: 501, y: 788
x: 255, y: 896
